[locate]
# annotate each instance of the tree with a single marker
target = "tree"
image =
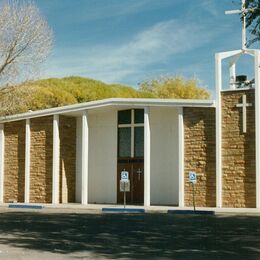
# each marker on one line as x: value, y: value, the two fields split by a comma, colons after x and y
x: 175, y: 87
x: 25, y: 40
x: 253, y: 20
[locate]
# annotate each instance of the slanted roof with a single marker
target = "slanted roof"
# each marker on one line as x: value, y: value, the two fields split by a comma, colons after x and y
x: 133, y: 102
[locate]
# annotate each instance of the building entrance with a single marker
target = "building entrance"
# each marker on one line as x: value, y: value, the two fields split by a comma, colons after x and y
x: 131, y: 154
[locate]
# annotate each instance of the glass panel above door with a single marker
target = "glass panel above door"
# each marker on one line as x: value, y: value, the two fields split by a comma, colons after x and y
x: 124, y: 142
x: 139, y: 116
x: 124, y: 117
x: 139, y: 142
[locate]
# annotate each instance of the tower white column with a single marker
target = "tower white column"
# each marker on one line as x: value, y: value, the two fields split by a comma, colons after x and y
x: 257, y: 125
x: 181, y: 156
x: 147, y: 156
x: 232, y: 74
x: 218, y: 132
x: 56, y: 160
x: 2, y: 149
x: 84, y: 158
x: 27, y: 161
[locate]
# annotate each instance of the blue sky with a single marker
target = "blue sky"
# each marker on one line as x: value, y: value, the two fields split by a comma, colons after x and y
x: 128, y: 41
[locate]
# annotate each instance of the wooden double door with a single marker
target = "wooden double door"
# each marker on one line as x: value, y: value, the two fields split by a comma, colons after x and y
x: 135, y: 168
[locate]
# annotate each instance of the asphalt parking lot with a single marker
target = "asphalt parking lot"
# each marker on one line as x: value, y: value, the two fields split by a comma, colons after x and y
x: 53, y: 235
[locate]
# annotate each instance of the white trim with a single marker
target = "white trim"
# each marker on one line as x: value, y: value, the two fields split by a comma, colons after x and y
x: 56, y: 160
x: 236, y: 89
x: 218, y: 78
x: 181, y: 156
x: 147, y: 157
x: 2, y: 150
x: 27, y: 161
x: 134, y: 102
x: 84, y: 158
x: 257, y: 125
x: 132, y: 133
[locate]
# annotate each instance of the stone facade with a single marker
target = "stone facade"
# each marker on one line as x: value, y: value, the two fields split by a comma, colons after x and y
x: 14, y: 161
x: 200, y: 155
x: 238, y: 151
x: 67, y: 159
x: 41, y: 160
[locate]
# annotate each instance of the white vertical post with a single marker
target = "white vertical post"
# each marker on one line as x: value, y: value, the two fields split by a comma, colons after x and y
x: 257, y: 125
x: 84, y: 158
x: 243, y: 26
x: 232, y: 74
x: 2, y: 148
x: 181, y: 156
x: 56, y: 160
x: 147, y: 157
x: 27, y: 161
x: 218, y: 131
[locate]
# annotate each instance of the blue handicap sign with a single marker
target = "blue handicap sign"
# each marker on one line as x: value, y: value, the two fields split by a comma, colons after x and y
x: 124, y: 176
x: 193, y: 177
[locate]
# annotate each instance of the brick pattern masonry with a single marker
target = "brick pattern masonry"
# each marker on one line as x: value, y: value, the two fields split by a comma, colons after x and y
x: 14, y: 162
x: 238, y: 151
x: 199, y: 155
x: 41, y: 160
x: 67, y: 159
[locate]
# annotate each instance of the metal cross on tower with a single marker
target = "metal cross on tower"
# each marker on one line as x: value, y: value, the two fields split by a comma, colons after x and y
x: 243, y: 12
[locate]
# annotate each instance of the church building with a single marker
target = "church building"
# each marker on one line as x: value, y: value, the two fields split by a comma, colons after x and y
x: 76, y: 153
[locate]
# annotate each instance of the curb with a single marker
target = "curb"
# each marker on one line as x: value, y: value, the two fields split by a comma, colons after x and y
x: 20, y: 206
x: 122, y: 210
x: 192, y: 212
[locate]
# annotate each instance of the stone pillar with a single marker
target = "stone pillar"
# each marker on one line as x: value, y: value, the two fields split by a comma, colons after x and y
x: 27, y: 161
x: 84, y: 159
x: 147, y: 157
x: 2, y: 145
x: 56, y: 160
x: 218, y: 78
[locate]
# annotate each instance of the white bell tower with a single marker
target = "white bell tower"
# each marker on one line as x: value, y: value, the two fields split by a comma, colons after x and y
x: 234, y: 56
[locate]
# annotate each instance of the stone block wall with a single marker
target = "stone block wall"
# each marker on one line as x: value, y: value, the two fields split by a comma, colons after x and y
x: 67, y: 128
x: 14, y: 162
x: 200, y: 155
x: 238, y: 151
x: 41, y: 160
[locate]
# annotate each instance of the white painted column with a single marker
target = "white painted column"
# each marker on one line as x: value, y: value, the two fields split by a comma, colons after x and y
x: 27, y: 161
x: 56, y: 160
x: 181, y: 156
x: 84, y: 158
x: 2, y: 149
x: 232, y: 75
x: 218, y: 131
x: 257, y: 125
x: 147, y: 157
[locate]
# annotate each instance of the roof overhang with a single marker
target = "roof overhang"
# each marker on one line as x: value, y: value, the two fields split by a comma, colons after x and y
x: 112, y: 102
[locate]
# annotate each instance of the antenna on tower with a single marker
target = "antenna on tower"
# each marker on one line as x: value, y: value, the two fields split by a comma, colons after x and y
x: 243, y: 11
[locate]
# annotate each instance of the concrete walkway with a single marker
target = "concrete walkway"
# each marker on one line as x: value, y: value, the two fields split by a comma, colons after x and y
x: 97, y: 208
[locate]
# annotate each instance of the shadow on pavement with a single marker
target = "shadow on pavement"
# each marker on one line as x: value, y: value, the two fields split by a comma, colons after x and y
x: 133, y: 236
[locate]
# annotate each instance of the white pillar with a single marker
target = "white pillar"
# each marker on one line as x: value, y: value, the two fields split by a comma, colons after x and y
x: 257, y: 125
x: 147, y: 156
x: 2, y: 149
x: 27, y: 161
x: 218, y: 132
x: 84, y: 159
x: 56, y: 160
x: 232, y: 75
x: 181, y: 156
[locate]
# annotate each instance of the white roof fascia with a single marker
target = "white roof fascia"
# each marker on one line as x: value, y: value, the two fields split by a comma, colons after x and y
x: 137, y: 102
